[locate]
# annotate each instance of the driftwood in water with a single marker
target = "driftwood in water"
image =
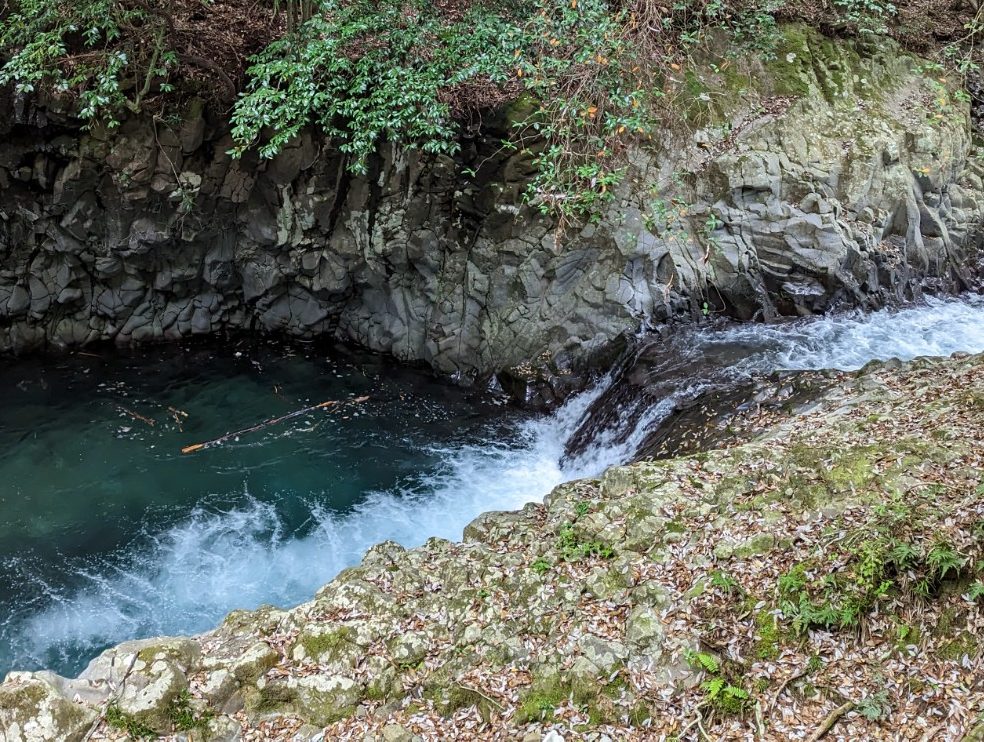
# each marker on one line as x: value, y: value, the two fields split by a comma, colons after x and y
x: 266, y: 423
x: 136, y: 415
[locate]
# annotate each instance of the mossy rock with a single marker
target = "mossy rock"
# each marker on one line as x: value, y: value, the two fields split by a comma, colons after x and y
x: 326, y: 646
x: 51, y: 716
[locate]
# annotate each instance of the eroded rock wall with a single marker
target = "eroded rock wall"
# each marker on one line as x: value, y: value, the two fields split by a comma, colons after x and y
x: 830, y: 176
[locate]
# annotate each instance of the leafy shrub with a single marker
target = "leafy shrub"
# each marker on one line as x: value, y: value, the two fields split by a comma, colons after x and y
x: 595, y: 77
x: 868, y: 16
x: 367, y: 71
x: 116, y: 56
x: 407, y: 72
x: 42, y: 35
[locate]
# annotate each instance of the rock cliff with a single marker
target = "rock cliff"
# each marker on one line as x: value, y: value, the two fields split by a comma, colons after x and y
x: 750, y: 591
x: 837, y: 174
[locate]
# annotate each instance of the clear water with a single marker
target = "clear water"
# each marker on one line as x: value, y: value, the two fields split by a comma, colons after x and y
x: 107, y: 532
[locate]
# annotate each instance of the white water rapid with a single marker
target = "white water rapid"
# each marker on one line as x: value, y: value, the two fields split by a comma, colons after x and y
x: 216, y: 561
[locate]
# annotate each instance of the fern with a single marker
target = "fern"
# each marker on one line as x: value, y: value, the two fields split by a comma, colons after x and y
x: 703, y: 661
x: 713, y: 687
x: 976, y: 591
x: 944, y: 559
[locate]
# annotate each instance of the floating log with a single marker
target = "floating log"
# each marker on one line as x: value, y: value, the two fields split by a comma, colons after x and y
x: 194, y: 448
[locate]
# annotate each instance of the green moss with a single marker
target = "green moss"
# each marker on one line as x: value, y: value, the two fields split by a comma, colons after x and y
x: 763, y: 543
x: 964, y: 644
x: 818, y: 472
x: 790, y: 73
x: 318, y: 644
x: 767, y: 643
x: 906, y: 635
x: 184, y: 717
x: 616, y: 688
x: 272, y: 697
x: 520, y: 110
x: 329, y: 713
x: 639, y: 714
x: 22, y: 698
x: 945, y: 623
x: 448, y: 696
x: 375, y: 692
x: 548, y: 693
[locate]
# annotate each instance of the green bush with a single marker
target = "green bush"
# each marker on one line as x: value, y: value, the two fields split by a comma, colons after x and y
x: 108, y: 53
x: 366, y: 71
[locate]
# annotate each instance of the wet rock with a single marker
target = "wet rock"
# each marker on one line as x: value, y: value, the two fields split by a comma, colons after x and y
x: 801, y: 222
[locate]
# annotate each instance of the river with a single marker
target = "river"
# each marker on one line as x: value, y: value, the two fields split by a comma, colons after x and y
x: 108, y: 532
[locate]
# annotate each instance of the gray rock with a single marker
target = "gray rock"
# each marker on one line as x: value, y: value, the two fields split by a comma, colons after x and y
x: 800, y: 223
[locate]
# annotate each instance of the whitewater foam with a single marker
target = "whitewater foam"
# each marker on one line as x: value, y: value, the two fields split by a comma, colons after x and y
x: 847, y: 342
x: 186, y: 579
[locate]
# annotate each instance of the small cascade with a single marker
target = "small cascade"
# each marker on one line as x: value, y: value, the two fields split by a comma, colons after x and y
x: 240, y: 552
x: 665, y: 373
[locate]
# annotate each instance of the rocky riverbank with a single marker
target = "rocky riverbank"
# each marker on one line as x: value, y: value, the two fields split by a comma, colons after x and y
x: 839, y: 173
x: 826, y: 575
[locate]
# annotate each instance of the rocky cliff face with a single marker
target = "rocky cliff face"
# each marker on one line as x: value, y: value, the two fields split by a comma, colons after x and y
x: 612, y: 610
x: 833, y: 175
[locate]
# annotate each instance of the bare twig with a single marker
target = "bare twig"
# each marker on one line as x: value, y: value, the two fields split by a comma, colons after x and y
x: 785, y: 684
x: 832, y: 718
x: 194, y: 448
x: 479, y: 693
x: 137, y: 416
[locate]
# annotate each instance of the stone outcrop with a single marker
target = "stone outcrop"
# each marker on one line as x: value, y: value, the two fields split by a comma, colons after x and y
x: 834, y: 175
x: 610, y: 611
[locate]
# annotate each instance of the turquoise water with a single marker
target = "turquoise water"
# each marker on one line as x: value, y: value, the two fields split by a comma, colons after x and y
x: 108, y: 532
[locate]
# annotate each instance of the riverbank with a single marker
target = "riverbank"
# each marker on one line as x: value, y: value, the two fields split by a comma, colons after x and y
x: 827, y: 572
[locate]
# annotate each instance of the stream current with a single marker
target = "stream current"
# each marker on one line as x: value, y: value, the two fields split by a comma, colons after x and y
x: 108, y: 532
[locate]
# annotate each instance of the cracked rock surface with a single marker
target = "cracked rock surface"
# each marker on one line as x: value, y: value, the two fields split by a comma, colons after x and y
x: 580, y: 618
x: 829, y: 177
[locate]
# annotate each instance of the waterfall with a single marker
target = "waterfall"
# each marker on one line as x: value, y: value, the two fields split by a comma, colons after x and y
x: 218, y: 558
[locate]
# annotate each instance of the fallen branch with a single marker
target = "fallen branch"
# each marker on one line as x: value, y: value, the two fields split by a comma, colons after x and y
x: 194, y: 448
x: 785, y: 684
x: 137, y: 416
x: 759, y: 720
x: 115, y: 693
x: 832, y: 718
x: 476, y: 691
